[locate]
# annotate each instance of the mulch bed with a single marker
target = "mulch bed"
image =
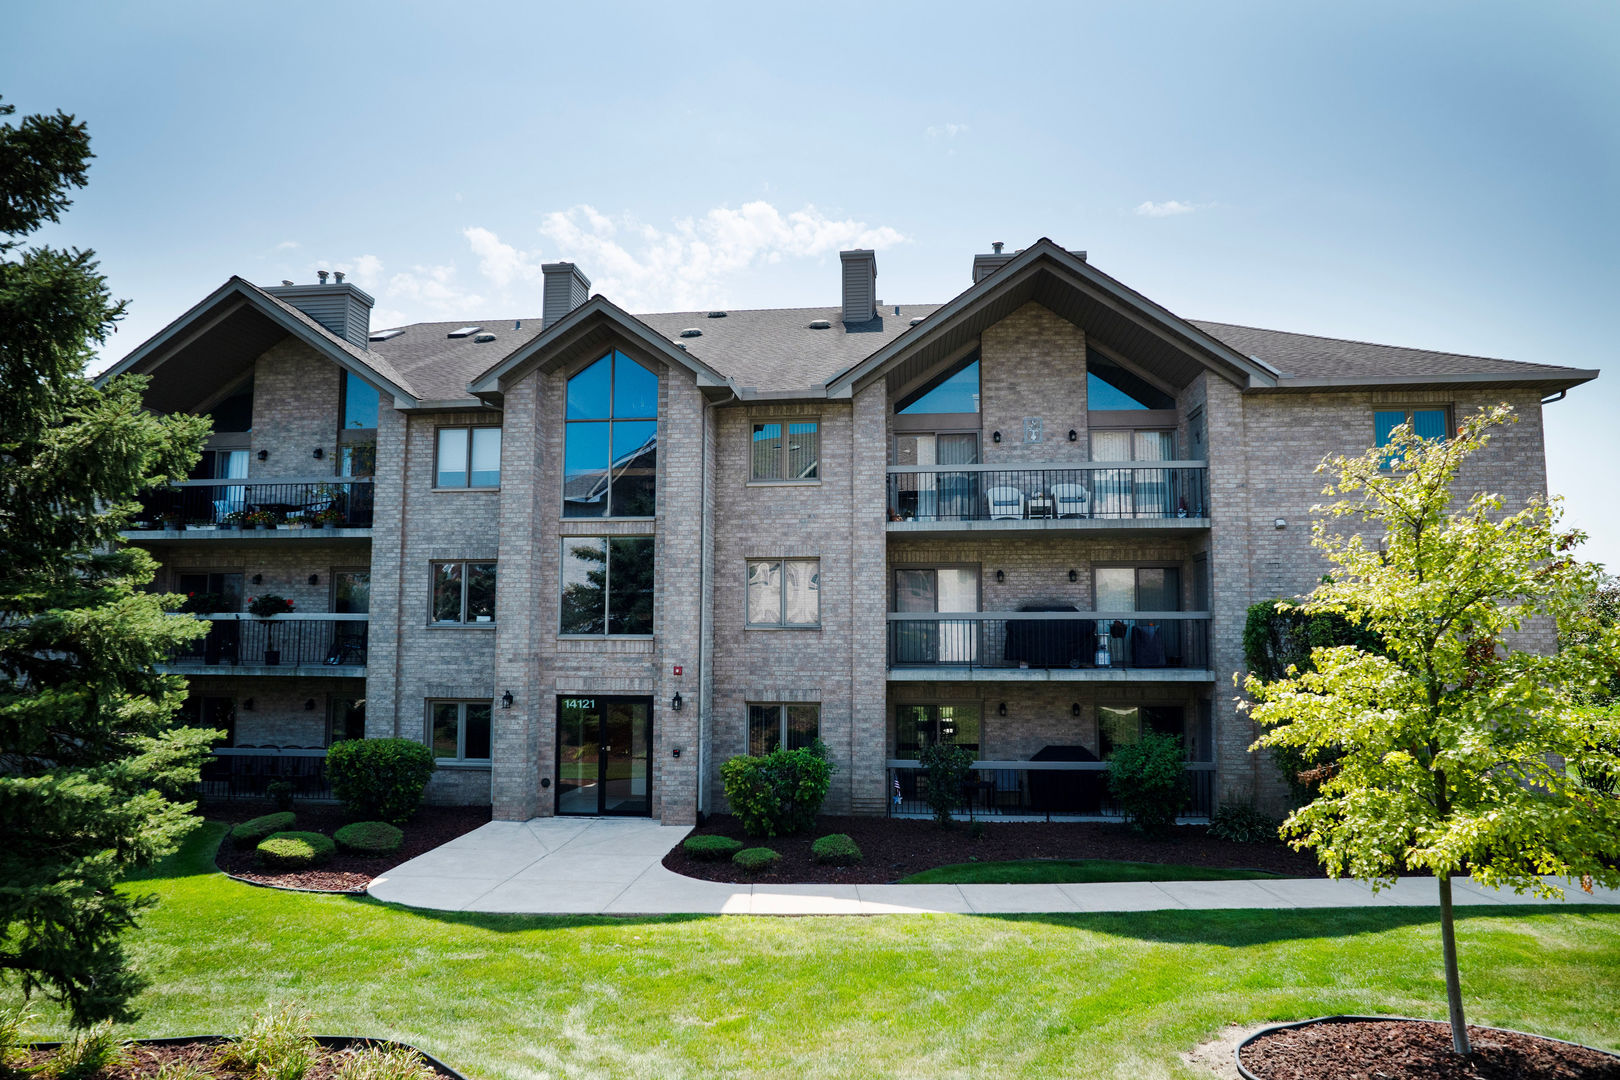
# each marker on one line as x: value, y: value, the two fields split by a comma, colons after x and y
x: 1418, y: 1050
x: 344, y: 873
x: 893, y: 848
x: 144, y: 1060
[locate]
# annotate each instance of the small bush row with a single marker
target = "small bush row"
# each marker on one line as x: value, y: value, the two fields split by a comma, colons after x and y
x: 369, y: 838
x: 250, y: 834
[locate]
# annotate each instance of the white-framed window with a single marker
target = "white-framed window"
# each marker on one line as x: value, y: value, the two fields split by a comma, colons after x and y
x: 467, y: 457
x: 463, y: 593
x: 784, y: 593
x: 459, y: 730
x: 791, y: 724
x: 785, y: 450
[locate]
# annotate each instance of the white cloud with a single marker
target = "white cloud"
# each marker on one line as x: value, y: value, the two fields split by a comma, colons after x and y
x: 416, y: 294
x: 500, y: 262
x: 286, y: 245
x: 1165, y: 209
x: 946, y: 131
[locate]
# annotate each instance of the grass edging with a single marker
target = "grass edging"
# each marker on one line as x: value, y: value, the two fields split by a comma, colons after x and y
x: 1076, y: 872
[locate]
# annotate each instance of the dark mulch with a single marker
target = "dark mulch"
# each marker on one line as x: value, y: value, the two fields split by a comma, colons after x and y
x: 142, y: 1062
x: 345, y: 873
x: 1418, y: 1050
x: 893, y: 848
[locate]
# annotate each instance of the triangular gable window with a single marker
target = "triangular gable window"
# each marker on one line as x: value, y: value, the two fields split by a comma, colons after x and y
x: 1110, y: 387
x: 955, y: 392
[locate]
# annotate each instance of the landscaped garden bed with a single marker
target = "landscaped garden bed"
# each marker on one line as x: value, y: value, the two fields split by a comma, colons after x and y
x: 896, y: 848
x: 1353, y: 1048
x: 199, y: 1058
x: 346, y: 871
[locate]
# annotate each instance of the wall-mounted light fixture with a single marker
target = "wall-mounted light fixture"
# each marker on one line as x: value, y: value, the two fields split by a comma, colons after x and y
x: 258, y: 579
x: 1074, y: 436
x: 319, y: 453
x: 314, y: 579
x: 675, y: 702
x: 676, y: 752
x: 506, y: 700
x: 1280, y: 523
x: 247, y: 704
x: 1001, y: 710
x: 264, y: 455
x: 309, y: 706
x: 1074, y: 710
x: 1074, y: 575
x: 1001, y: 575
x: 995, y: 436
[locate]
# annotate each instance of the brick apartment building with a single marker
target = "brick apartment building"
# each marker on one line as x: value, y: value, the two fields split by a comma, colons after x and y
x: 589, y: 556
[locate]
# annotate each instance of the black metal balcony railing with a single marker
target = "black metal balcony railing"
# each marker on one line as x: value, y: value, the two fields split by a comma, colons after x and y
x: 243, y: 772
x: 336, y: 641
x: 1106, y: 490
x: 1038, y: 788
x: 1043, y: 639
x: 215, y: 502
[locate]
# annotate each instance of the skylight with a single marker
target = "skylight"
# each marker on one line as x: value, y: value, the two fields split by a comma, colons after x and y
x: 384, y: 335
x: 465, y: 331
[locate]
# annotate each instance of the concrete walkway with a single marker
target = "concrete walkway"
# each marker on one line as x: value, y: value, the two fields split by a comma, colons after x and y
x: 613, y: 866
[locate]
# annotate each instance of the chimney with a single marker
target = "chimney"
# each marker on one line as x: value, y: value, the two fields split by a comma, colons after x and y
x: 860, y: 285
x: 985, y: 265
x: 339, y: 306
x: 564, y: 290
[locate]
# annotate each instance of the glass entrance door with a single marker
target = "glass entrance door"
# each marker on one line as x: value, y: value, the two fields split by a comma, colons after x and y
x: 604, y: 755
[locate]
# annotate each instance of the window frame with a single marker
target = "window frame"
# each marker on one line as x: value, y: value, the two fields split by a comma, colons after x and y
x: 1192, y: 713
x: 465, y: 622
x: 607, y: 585
x: 782, y: 605
x: 781, y: 708
x: 462, y: 704
x: 333, y: 702
x: 469, y: 485
x: 612, y: 418
x: 1446, y: 420
x: 935, y: 704
x: 782, y: 479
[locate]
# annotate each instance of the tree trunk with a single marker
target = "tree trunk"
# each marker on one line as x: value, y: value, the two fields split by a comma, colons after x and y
x: 1448, y: 938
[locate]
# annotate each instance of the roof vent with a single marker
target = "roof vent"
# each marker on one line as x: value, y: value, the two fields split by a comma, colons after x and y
x: 323, y: 275
x: 717, y: 314
x: 691, y: 331
x: 337, y: 276
x: 681, y: 345
x: 860, y: 284
x: 997, y: 245
x: 820, y: 324
x: 284, y: 281
x: 483, y: 338
x: 384, y: 335
x: 916, y: 320
x: 465, y: 331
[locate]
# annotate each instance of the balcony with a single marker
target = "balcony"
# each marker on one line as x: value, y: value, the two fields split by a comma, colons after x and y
x: 1038, y: 789
x: 246, y: 772
x: 1094, y: 496
x: 239, y: 510
x: 1051, y: 646
x: 284, y: 645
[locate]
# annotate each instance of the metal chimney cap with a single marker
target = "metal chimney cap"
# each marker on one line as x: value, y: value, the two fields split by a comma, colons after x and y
x: 284, y: 281
x: 337, y: 275
x: 323, y: 275
x: 997, y: 246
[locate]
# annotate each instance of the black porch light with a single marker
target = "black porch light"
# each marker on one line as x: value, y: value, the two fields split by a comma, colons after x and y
x: 1001, y: 710
x: 314, y: 579
x: 1074, y: 575
x: 506, y: 700
x: 319, y: 453
x: 1074, y: 436
x: 1074, y: 710
x: 309, y: 706
x: 264, y: 455
x: 675, y: 702
x: 1001, y: 575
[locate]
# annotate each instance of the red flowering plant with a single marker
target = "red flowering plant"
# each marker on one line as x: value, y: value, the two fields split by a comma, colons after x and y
x: 269, y: 604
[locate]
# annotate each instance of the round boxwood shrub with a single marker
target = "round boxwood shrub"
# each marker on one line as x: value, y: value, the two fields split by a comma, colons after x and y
x: 837, y: 849
x: 294, y: 850
x: 379, y: 779
x: 780, y: 793
x: 711, y: 848
x: 755, y: 859
x: 369, y: 838
x: 249, y: 833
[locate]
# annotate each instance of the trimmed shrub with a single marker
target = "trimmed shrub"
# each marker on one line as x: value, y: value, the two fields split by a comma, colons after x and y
x: 369, y: 838
x: 379, y: 779
x: 282, y: 792
x: 294, y: 850
x: 755, y: 859
x: 945, y: 772
x: 1242, y: 822
x: 711, y: 848
x: 1149, y: 781
x: 780, y: 793
x: 250, y: 833
x: 837, y: 849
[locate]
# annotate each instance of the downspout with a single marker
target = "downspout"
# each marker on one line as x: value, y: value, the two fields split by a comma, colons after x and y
x: 1560, y: 396
x: 705, y: 701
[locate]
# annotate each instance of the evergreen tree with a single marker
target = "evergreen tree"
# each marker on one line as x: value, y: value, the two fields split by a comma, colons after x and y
x: 92, y: 765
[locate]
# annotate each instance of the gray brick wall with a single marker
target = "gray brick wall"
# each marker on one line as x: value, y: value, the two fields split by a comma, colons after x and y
x: 1033, y: 364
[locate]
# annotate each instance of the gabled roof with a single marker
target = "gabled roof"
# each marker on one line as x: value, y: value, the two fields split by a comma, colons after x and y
x: 231, y: 326
x: 1059, y: 280
x: 597, y: 323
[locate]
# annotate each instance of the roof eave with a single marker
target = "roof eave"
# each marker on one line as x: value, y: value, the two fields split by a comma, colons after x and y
x: 1565, y: 379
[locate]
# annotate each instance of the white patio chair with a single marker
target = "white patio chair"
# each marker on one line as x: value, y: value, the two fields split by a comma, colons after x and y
x: 1005, y: 502
x: 1073, y: 500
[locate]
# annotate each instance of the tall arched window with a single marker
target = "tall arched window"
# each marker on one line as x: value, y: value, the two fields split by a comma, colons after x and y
x: 610, y: 442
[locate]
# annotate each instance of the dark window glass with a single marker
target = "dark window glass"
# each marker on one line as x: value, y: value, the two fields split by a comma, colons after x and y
x: 218, y: 713
x: 1109, y: 386
x: 476, y: 735
x: 770, y: 725
x: 804, y: 450
x: 764, y: 729
x: 358, y: 459
x: 957, y: 392
x: 799, y: 459
x: 767, y: 453
x: 446, y: 727
x: 351, y: 592
x: 235, y: 413
x: 447, y: 592
x: 630, y: 585
x: 1123, y: 726
x: 360, y: 401
x: 917, y: 726
x: 348, y: 720
x: 480, y: 592
x: 610, y: 443
x: 463, y: 592
x: 584, y: 585
x: 803, y: 725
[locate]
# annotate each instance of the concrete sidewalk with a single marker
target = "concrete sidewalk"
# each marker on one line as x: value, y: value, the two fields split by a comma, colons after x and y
x: 613, y: 866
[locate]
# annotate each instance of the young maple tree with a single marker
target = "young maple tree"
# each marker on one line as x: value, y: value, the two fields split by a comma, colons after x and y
x: 92, y: 764
x: 1457, y: 748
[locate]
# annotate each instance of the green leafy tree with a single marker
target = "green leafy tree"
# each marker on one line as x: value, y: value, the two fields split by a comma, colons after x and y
x: 1456, y: 751
x: 92, y: 765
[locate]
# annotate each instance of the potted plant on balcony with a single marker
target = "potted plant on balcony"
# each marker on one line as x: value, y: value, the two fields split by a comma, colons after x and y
x: 259, y: 519
x: 173, y: 522
x: 232, y: 521
x: 267, y: 607
x: 330, y: 518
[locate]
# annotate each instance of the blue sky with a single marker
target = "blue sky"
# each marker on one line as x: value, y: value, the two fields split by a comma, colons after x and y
x: 1441, y: 175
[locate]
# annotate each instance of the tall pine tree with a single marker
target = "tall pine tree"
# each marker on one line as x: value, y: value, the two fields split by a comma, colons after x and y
x: 92, y: 765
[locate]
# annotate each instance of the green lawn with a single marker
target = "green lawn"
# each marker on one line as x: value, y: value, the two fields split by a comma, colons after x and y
x: 1067, y: 871
x: 894, y: 996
